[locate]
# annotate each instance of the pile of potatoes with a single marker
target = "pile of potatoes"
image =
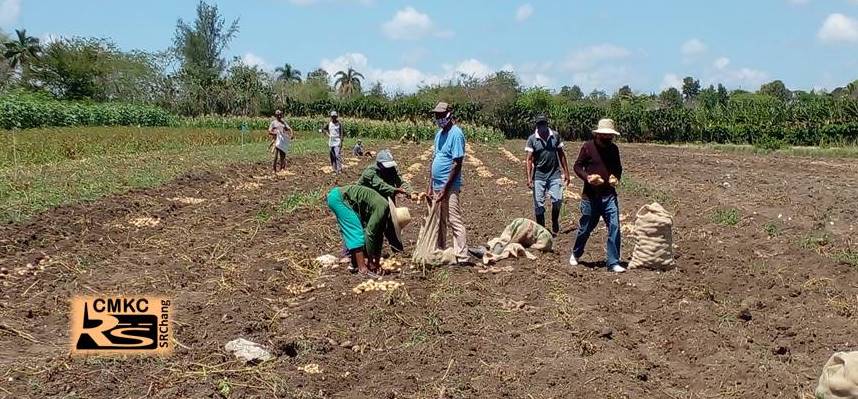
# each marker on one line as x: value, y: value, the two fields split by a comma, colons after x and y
x: 373, y: 285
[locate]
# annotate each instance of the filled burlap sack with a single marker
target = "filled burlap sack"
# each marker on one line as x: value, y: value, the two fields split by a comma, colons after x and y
x: 654, y: 239
x: 519, y: 235
x: 839, y: 379
x: 425, y: 251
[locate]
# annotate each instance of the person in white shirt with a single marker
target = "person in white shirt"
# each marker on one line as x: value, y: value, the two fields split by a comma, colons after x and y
x: 280, y: 134
x: 336, y: 133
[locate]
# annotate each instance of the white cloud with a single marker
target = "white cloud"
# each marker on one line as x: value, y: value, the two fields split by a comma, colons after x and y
x: 9, y: 12
x: 410, y: 24
x: 745, y: 78
x: 471, y: 67
x: 839, y: 28
x: 608, y: 78
x: 721, y: 63
x: 693, y: 47
x: 671, y: 80
x: 523, y: 12
x: 255, y: 60
x: 588, y: 57
x: 48, y: 38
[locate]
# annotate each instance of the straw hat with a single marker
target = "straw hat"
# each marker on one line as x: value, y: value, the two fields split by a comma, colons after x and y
x: 606, y: 126
x: 401, y: 217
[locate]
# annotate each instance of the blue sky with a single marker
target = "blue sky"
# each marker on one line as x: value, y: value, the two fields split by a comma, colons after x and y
x: 595, y: 44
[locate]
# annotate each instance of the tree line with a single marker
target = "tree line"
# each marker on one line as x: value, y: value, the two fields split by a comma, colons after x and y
x: 193, y: 77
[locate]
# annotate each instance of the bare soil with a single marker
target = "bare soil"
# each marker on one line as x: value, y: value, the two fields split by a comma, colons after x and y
x: 753, y: 310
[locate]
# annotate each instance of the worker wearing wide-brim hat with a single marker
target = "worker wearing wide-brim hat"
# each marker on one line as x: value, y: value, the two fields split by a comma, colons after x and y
x: 364, y: 217
x: 383, y: 177
x: 599, y: 166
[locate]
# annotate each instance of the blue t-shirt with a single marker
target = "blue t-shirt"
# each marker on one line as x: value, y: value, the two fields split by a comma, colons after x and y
x: 448, y: 146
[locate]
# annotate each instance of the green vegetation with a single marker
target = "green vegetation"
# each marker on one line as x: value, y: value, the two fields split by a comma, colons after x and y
x: 630, y: 185
x: 773, y: 229
x: 848, y: 257
x: 299, y: 200
x: 49, y: 176
x: 100, y: 84
x: 726, y: 216
x: 816, y: 241
x: 25, y: 111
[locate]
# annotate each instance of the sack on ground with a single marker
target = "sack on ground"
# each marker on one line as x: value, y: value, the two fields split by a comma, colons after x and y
x: 425, y: 251
x: 516, y: 238
x: 839, y: 379
x: 654, y: 235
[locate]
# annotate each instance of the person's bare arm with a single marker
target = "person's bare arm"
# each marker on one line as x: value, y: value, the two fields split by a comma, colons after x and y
x: 528, y: 168
x: 454, y: 173
x: 564, y: 166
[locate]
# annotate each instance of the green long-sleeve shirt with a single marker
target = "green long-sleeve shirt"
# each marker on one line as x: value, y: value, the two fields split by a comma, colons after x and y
x: 383, y: 183
x: 374, y: 215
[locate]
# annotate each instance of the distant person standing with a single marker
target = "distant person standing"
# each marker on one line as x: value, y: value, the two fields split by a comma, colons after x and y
x: 280, y: 134
x: 547, y: 171
x: 599, y: 166
x: 335, y: 132
x: 445, y: 181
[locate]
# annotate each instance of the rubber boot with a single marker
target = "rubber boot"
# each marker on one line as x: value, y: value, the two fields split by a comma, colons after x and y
x: 555, y: 219
x: 540, y: 219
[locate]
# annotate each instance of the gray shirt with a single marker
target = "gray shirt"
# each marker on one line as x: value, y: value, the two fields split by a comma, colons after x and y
x: 545, y: 159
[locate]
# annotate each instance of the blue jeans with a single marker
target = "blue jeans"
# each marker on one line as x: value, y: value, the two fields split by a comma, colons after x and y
x: 554, y: 188
x: 608, y: 208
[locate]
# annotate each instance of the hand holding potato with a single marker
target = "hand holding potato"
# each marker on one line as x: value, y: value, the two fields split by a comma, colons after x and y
x: 613, y: 181
x: 595, y: 180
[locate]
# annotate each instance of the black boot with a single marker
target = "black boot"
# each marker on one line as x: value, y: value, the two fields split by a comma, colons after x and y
x: 540, y: 219
x: 555, y: 219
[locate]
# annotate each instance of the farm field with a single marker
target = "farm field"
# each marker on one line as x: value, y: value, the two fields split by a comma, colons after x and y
x: 765, y: 291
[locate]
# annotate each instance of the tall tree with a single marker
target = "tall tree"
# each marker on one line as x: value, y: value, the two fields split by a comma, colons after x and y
x: 670, y: 98
x: 319, y: 74
x: 287, y: 73
x: 348, y: 82
x: 200, y: 46
x: 690, y: 88
x: 776, y: 89
x: 625, y: 92
x: 22, y: 50
x: 573, y: 93
x: 377, y: 91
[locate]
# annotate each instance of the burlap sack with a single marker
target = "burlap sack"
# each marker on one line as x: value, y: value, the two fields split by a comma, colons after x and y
x: 425, y: 252
x: 510, y: 251
x: 520, y: 234
x: 839, y: 379
x: 654, y: 236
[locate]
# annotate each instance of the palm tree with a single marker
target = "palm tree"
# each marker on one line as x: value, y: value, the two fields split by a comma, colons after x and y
x: 348, y: 82
x: 22, y: 51
x: 287, y: 73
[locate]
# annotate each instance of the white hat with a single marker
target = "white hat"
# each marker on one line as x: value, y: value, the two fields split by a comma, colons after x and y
x: 606, y: 126
x: 333, y: 113
x: 401, y: 217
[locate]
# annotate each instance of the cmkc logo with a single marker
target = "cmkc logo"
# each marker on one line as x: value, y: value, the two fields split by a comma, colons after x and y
x: 120, y: 325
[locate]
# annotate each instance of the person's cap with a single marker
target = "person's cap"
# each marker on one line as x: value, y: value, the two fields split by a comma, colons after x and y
x: 333, y: 114
x: 540, y: 120
x: 606, y: 126
x: 278, y: 112
x: 441, y: 107
x: 385, y: 158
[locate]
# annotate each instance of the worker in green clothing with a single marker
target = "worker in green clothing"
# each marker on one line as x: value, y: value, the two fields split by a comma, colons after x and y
x: 364, y: 217
x: 384, y: 178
